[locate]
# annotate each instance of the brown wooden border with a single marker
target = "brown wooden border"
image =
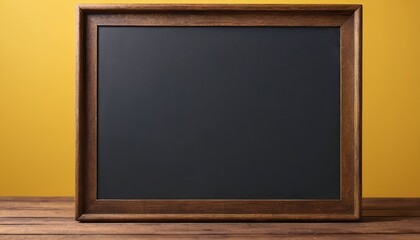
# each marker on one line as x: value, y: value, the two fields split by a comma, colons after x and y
x: 89, y: 17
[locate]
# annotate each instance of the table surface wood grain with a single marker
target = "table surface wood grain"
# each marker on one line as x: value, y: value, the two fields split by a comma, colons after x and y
x: 53, y: 218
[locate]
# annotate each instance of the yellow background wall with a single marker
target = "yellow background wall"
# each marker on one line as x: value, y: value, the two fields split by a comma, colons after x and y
x: 37, y: 69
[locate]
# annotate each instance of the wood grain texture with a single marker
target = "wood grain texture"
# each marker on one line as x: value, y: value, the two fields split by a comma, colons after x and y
x: 220, y: 19
x: 89, y: 17
x: 402, y: 207
x: 332, y: 8
x: 52, y: 218
x: 203, y: 236
x: 80, y: 106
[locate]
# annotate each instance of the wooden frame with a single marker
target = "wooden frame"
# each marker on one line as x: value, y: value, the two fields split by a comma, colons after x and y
x: 89, y: 17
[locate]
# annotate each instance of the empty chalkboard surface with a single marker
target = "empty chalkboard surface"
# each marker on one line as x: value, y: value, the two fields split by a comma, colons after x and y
x: 183, y: 119
x: 219, y: 112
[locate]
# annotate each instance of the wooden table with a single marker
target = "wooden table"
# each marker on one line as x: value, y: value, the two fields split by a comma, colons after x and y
x: 53, y: 218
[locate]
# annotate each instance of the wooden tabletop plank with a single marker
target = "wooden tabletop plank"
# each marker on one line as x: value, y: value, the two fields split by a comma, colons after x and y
x: 37, y: 205
x: 53, y: 218
x: 64, y: 207
x: 391, y: 203
x: 178, y: 237
x: 370, y: 226
x: 36, y: 199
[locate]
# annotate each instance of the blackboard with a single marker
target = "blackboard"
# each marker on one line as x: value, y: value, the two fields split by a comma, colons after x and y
x: 218, y: 112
